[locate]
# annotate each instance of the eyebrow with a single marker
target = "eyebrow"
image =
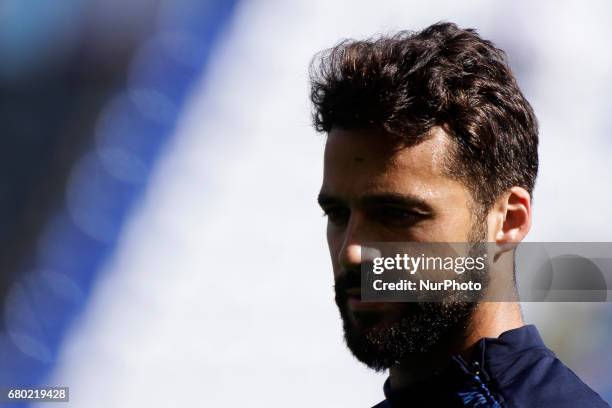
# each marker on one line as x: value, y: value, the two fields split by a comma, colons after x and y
x: 404, y: 200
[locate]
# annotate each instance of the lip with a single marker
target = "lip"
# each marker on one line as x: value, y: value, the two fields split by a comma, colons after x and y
x: 354, y: 291
x: 357, y: 305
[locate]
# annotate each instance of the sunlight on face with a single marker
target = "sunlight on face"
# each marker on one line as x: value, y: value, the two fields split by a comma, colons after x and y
x: 375, y: 190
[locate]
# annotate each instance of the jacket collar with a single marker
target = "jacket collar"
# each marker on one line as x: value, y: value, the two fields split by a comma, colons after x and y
x: 493, y: 357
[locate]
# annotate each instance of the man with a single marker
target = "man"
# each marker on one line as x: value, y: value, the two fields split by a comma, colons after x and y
x: 429, y: 139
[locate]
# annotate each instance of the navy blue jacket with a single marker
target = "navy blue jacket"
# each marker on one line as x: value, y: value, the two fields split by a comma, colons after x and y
x: 514, y: 370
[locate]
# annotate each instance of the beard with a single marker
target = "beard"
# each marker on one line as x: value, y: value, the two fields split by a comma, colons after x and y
x: 407, y: 329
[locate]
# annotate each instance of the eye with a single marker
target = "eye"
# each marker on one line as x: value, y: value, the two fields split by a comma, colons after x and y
x: 337, y: 215
x: 397, y: 216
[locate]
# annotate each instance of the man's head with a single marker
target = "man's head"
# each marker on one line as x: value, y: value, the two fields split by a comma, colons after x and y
x: 429, y: 140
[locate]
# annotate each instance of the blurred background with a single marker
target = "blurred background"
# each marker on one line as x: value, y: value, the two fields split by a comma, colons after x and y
x: 160, y: 243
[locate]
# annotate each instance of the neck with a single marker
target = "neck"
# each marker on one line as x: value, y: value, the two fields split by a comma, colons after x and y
x: 490, y: 319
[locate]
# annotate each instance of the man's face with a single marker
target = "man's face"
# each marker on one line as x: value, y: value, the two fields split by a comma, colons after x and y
x: 375, y: 190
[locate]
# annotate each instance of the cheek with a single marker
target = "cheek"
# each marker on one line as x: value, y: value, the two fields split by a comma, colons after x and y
x: 448, y: 226
x: 455, y: 227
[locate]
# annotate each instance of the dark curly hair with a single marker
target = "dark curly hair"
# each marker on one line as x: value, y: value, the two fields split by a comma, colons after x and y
x: 445, y: 76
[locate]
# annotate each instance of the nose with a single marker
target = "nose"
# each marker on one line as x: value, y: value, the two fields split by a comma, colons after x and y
x: 350, y: 255
x: 354, y: 250
x: 355, y: 236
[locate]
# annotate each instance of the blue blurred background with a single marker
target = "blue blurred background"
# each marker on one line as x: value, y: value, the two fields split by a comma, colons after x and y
x: 160, y: 241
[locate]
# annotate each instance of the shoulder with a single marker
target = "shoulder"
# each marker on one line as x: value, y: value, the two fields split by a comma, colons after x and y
x: 539, y: 379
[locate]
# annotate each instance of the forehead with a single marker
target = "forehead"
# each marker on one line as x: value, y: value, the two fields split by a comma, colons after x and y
x: 360, y: 161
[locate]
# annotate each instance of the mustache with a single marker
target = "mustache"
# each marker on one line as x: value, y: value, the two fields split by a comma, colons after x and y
x: 347, y: 280
x: 350, y: 279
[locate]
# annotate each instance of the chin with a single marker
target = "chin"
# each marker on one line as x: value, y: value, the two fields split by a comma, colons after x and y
x: 402, y: 332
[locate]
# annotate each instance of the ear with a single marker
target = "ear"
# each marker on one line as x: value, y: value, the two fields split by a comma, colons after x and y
x: 509, y: 220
